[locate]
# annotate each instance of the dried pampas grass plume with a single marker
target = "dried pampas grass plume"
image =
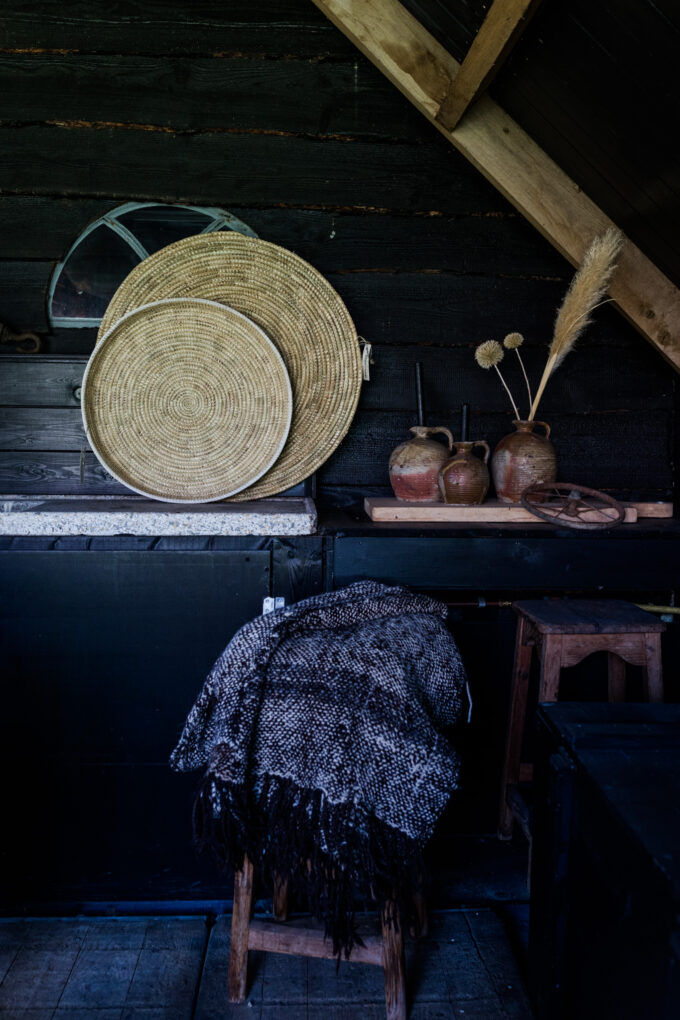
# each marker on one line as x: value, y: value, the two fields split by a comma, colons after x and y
x: 513, y: 342
x: 584, y: 295
x: 489, y: 355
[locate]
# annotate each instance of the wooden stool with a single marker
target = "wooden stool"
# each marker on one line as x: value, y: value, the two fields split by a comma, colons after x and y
x: 564, y: 632
x: 386, y: 951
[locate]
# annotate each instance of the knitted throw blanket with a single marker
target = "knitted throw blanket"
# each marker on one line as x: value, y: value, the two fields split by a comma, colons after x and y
x: 320, y: 731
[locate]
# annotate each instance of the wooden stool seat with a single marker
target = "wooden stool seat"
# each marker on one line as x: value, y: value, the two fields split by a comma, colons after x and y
x: 386, y: 951
x: 563, y: 632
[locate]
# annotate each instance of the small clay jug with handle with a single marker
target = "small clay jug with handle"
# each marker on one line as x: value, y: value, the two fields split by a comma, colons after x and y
x: 415, y: 464
x: 464, y: 479
x: 523, y: 458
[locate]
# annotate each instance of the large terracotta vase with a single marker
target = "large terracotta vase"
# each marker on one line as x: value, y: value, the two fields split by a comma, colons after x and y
x: 523, y: 458
x: 415, y: 464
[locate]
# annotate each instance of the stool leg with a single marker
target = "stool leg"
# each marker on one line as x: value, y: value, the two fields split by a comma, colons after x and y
x: 516, y: 717
x: 280, y: 898
x: 240, y: 922
x: 651, y: 671
x: 616, y: 674
x: 393, y: 963
x: 422, y: 919
x: 551, y: 667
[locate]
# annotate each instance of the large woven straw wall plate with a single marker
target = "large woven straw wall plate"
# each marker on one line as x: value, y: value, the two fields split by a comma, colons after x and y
x: 187, y: 401
x: 295, y: 306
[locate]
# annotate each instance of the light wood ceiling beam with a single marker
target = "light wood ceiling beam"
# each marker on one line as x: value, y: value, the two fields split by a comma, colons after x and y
x: 500, y: 30
x: 423, y: 70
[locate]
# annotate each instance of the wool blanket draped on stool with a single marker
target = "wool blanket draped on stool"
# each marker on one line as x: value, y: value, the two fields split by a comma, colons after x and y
x: 320, y: 729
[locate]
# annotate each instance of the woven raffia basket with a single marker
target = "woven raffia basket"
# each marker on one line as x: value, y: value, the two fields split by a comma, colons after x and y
x: 187, y: 401
x: 295, y: 306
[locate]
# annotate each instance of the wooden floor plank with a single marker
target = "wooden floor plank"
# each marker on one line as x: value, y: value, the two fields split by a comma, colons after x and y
x: 36, y: 978
x: 187, y: 933
x: 68, y: 1013
x: 212, y: 1003
x: 148, y: 969
x: 100, y: 978
x: 28, y: 1014
x: 56, y: 933
x: 117, y: 933
x: 7, y: 956
x: 426, y: 971
x: 351, y: 983
x: 284, y: 978
x: 166, y: 978
x: 494, y: 948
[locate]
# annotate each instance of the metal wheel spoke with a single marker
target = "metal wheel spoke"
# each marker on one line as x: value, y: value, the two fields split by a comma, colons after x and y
x: 570, y: 505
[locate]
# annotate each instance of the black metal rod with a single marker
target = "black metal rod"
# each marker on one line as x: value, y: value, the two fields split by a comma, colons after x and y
x: 419, y: 392
x: 465, y: 423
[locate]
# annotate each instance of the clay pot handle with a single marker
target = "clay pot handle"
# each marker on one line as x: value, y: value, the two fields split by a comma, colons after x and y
x: 444, y: 432
x: 545, y: 426
x: 482, y: 442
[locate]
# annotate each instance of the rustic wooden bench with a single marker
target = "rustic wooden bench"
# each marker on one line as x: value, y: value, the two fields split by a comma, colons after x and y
x: 563, y: 632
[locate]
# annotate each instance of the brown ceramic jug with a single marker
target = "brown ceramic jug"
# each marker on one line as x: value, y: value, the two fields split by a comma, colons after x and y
x: 415, y: 464
x: 521, y: 459
x: 464, y: 479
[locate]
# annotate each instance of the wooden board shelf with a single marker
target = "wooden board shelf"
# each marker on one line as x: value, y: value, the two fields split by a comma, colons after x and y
x: 491, y: 512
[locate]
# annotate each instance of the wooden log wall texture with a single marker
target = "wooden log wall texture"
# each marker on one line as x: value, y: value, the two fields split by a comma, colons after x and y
x: 267, y: 111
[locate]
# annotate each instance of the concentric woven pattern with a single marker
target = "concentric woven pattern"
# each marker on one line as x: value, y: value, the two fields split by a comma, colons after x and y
x: 295, y: 306
x: 187, y: 401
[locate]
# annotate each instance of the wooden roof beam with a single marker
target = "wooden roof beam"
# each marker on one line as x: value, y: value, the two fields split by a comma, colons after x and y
x: 423, y: 70
x: 500, y: 30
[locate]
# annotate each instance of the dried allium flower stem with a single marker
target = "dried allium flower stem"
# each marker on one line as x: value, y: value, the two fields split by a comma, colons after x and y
x: 488, y: 355
x: 513, y: 342
x: 507, y: 390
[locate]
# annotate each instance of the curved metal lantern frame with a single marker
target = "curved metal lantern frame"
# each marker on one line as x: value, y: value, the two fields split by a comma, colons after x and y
x: 568, y: 505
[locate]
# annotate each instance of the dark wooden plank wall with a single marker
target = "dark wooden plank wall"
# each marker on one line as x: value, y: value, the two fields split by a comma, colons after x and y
x: 265, y: 109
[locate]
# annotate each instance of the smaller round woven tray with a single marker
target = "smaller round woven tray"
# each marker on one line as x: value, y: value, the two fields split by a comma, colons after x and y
x: 186, y: 400
x: 296, y: 307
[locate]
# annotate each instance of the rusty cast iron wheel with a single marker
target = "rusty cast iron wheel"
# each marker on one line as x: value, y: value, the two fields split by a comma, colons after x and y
x: 572, y: 506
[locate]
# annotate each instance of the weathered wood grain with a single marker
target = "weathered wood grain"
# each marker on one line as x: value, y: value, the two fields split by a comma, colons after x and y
x: 595, y: 453
x: 276, y: 27
x: 37, y: 472
x: 564, y: 108
x: 394, y: 307
x: 591, y: 381
x: 474, y: 242
x: 453, y: 27
x: 23, y: 294
x: 588, y: 382
x: 190, y: 93
x: 46, y: 382
x: 493, y: 43
x: 217, y: 167
x: 498, y: 147
x: 36, y: 227
x: 390, y: 509
x: 27, y: 428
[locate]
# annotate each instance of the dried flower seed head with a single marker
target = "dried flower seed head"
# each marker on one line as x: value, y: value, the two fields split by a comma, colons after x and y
x: 489, y: 354
x: 513, y: 341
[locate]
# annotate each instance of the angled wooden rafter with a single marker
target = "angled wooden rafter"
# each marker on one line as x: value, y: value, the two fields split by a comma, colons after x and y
x: 500, y: 30
x: 425, y: 73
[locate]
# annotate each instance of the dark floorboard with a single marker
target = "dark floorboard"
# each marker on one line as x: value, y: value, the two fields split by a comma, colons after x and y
x: 175, y: 968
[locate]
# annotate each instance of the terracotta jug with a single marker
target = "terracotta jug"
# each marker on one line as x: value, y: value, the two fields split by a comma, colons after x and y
x: 415, y: 464
x: 464, y: 479
x: 522, y: 458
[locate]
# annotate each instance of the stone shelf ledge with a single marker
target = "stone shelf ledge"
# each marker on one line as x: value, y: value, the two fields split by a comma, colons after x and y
x: 133, y: 515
